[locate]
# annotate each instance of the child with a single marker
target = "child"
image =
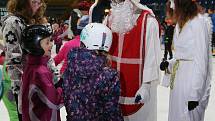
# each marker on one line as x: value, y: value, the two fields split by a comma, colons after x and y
x: 40, y: 99
x: 62, y: 55
x: 169, y: 31
x: 91, y: 87
x: 76, y: 25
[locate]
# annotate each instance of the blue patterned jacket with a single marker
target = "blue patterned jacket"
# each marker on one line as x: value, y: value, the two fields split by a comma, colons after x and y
x: 91, y: 89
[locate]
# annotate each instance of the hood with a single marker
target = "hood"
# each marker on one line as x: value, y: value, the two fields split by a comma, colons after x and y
x: 85, y: 63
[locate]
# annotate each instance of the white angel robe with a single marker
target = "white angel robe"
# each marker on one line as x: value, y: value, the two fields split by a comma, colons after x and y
x: 193, y: 76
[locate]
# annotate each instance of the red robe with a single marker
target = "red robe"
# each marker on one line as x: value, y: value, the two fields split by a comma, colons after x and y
x: 128, y: 57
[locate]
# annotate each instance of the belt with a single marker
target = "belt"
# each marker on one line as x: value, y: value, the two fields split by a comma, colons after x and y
x: 175, y: 68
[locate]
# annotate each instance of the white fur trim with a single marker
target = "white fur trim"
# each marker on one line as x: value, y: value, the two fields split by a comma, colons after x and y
x: 127, y: 100
x: 126, y: 60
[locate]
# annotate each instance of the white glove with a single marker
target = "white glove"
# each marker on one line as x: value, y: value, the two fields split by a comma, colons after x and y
x: 171, y: 63
x: 167, y: 75
x: 143, y: 94
x: 51, y: 65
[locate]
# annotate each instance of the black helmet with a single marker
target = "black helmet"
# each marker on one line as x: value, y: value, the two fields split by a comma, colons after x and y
x: 31, y: 38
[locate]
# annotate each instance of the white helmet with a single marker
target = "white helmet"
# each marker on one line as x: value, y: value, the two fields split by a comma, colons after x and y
x: 96, y: 36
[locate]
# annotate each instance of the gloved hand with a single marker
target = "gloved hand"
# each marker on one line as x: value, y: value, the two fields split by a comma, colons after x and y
x: 57, y: 75
x: 192, y: 105
x: 164, y: 65
x: 143, y: 94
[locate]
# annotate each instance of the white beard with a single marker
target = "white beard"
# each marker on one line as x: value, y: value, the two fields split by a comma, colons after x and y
x: 122, y: 17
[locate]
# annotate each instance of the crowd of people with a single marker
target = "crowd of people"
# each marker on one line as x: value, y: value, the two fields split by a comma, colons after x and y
x: 110, y: 52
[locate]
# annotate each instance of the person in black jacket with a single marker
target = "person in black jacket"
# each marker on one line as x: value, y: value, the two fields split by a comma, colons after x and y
x: 169, y: 31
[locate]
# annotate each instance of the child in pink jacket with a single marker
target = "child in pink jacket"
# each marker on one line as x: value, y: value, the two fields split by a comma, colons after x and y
x: 41, y: 101
x: 62, y: 55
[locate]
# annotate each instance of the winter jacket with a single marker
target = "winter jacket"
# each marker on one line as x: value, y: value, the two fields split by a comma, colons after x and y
x: 62, y: 54
x: 169, y: 31
x: 40, y: 99
x: 12, y: 27
x: 91, y: 89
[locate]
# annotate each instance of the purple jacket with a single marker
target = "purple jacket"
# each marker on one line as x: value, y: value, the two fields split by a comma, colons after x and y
x: 91, y: 88
x: 40, y: 99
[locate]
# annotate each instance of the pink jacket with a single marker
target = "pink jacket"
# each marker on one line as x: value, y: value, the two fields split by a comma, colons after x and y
x: 41, y: 101
x: 62, y: 55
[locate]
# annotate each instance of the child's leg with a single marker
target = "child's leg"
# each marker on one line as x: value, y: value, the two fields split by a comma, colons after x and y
x: 9, y: 101
x: 9, y: 98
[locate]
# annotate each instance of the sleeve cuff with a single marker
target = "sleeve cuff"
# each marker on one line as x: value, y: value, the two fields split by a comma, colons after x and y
x: 150, y: 74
